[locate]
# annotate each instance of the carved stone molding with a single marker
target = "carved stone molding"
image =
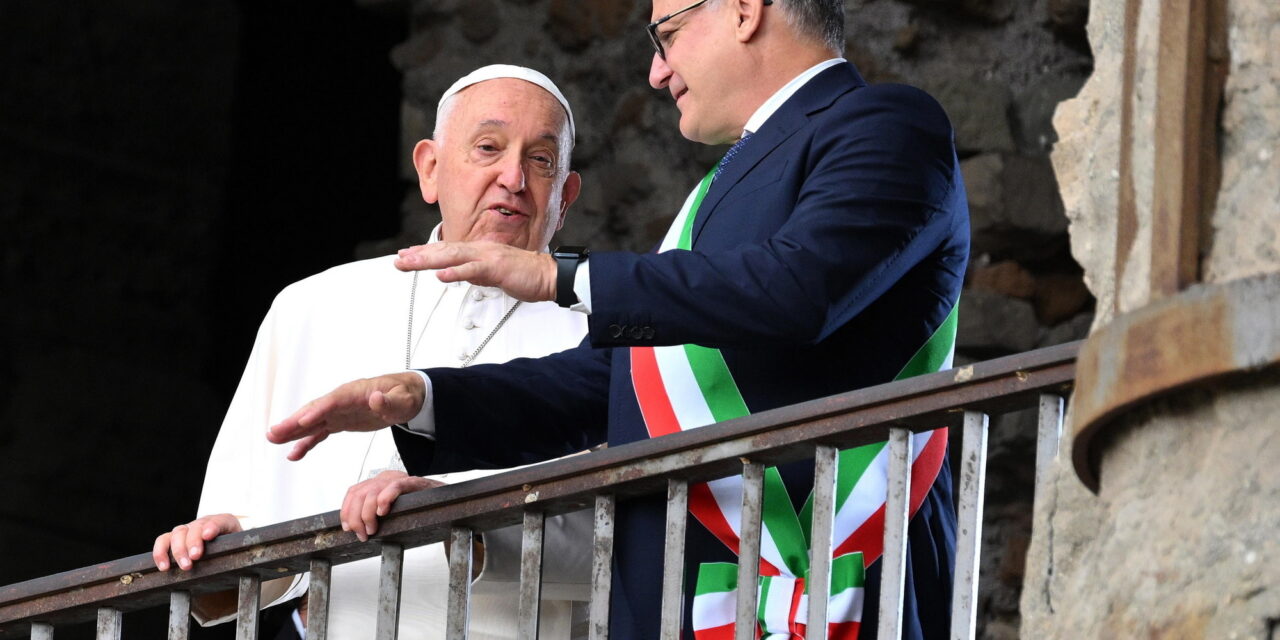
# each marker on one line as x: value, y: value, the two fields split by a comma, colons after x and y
x: 1199, y: 335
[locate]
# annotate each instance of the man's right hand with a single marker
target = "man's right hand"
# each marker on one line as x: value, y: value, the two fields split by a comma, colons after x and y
x: 363, y: 405
x: 186, y: 541
x: 367, y: 501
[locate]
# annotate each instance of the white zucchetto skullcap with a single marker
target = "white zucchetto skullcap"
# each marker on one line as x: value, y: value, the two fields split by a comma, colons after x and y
x: 495, y: 71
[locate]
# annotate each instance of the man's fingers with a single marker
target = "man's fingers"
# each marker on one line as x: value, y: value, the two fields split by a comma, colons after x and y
x: 304, y: 445
x: 387, y: 497
x: 345, y: 512
x: 436, y: 256
x: 368, y: 517
x: 160, y: 552
x: 178, y: 547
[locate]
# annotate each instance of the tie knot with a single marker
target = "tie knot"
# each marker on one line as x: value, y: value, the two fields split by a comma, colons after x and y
x: 733, y: 151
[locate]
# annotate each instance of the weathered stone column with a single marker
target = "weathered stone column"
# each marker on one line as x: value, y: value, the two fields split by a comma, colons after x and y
x: 1163, y: 517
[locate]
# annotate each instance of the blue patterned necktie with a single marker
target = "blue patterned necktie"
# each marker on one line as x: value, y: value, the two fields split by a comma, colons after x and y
x: 733, y: 151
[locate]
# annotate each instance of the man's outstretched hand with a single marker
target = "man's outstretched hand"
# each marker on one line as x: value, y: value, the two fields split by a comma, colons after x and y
x: 524, y: 275
x: 363, y: 405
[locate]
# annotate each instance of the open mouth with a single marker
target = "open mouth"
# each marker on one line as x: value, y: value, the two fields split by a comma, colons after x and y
x: 508, y: 212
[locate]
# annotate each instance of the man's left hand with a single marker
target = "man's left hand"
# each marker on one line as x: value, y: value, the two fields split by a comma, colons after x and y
x: 524, y: 275
x: 362, y: 405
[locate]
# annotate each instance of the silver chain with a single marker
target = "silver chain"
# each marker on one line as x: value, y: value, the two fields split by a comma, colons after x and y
x: 408, y: 340
x: 408, y: 344
x: 491, y: 334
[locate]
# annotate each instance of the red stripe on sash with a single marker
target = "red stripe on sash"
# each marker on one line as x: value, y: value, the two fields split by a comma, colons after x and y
x: 869, y: 538
x: 651, y: 395
x: 660, y: 420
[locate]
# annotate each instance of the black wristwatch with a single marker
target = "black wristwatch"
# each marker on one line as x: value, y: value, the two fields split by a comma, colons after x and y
x: 567, y: 261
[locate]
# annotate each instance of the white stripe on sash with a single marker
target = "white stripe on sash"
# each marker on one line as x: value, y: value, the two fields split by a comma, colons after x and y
x: 716, y: 609
x: 677, y: 226
x: 869, y: 493
x: 686, y: 397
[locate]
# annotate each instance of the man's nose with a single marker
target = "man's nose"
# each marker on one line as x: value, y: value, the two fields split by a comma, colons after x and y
x: 511, y: 173
x: 659, y: 72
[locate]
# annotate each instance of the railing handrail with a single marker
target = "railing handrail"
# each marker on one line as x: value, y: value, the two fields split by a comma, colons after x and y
x: 772, y: 437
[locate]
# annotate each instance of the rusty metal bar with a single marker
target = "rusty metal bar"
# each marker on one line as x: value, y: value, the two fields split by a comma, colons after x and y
x: 673, y: 559
x: 318, y: 599
x: 973, y: 480
x: 769, y: 437
x: 459, y: 604
x: 601, y: 569
x: 530, y: 574
x: 1176, y: 175
x: 391, y: 571
x: 1048, y: 436
x: 248, y: 604
x: 825, y: 461
x: 749, y: 550
x: 110, y: 623
x: 893, y: 563
x: 179, y: 615
x: 41, y: 631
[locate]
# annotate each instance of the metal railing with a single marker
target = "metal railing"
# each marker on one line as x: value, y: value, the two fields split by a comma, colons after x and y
x: 961, y: 397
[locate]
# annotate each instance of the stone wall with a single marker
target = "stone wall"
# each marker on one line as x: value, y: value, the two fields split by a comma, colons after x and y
x: 1180, y: 540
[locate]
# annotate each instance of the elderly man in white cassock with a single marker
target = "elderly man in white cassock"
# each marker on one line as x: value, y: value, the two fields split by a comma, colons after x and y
x: 499, y: 168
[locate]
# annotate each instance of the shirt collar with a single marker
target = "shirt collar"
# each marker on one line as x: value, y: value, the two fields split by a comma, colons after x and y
x: 789, y: 89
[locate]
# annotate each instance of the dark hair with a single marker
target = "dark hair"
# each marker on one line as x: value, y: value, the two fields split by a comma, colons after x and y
x: 822, y: 20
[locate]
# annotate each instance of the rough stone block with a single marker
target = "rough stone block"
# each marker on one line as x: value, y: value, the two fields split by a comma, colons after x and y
x: 994, y: 324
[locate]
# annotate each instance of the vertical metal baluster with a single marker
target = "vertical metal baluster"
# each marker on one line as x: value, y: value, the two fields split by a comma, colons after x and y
x: 825, y: 461
x: 601, y: 569
x: 318, y: 599
x: 459, y: 611
x: 973, y: 480
x: 248, y: 603
x: 673, y: 559
x: 388, y: 626
x: 530, y: 574
x: 41, y: 631
x: 1049, y: 435
x: 893, y: 563
x: 179, y: 615
x: 110, y: 623
x: 749, y: 550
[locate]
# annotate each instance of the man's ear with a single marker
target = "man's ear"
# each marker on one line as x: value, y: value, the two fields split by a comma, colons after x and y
x: 425, y: 162
x: 568, y: 194
x: 749, y: 15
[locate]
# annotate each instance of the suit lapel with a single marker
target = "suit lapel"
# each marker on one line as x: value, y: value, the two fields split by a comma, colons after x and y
x: 814, y: 96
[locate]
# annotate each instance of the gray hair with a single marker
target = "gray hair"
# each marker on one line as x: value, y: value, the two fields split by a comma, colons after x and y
x: 822, y: 20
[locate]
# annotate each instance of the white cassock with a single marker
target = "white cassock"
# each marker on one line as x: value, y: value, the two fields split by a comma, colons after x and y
x: 351, y: 322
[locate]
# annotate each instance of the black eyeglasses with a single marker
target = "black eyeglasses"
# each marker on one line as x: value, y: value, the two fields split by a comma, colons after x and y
x: 653, y: 26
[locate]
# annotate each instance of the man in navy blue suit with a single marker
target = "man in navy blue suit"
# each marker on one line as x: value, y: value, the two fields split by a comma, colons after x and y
x: 824, y: 253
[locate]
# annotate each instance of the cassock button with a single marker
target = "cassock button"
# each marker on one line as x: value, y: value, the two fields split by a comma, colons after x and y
x: 477, y: 295
x: 469, y: 323
x: 648, y: 333
x: 635, y: 332
x: 615, y: 331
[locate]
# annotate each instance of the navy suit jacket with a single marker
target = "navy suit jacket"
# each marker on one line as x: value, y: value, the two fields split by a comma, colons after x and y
x: 823, y: 257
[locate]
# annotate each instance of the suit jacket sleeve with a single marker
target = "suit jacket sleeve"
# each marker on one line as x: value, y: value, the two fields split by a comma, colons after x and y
x: 874, y: 195
x: 523, y: 411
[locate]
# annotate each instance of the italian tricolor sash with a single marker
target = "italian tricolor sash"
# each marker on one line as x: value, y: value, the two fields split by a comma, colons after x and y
x: 689, y: 386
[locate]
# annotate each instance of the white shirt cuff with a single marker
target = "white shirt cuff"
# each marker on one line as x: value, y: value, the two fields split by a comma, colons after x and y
x: 424, y: 424
x: 582, y: 288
